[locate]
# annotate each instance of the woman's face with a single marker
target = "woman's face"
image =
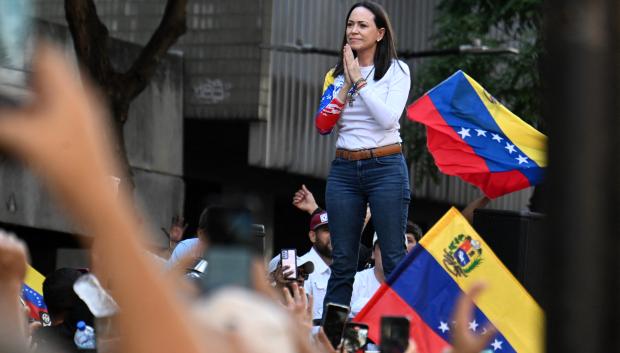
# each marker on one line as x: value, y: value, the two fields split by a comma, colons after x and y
x: 362, y: 33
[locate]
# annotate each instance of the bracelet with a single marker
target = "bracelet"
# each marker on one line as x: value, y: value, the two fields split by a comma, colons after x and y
x: 361, y: 85
x: 361, y: 79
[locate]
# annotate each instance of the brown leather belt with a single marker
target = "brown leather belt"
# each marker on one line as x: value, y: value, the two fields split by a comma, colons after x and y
x: 369, y: 153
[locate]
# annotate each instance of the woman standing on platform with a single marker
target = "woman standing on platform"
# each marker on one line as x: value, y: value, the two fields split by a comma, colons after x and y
x: 365, y: 95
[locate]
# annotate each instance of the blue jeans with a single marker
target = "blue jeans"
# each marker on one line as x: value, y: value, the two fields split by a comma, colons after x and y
x: 382, y: 182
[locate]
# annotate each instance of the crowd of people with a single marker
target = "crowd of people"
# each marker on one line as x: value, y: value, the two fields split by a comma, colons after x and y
x: 161, y: 309
x: 214, y: 293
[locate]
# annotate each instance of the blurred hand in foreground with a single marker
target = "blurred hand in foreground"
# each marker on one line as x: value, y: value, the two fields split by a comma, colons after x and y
x: 463, y: 339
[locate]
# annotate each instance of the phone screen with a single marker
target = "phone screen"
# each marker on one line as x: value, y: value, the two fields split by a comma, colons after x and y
x: 288, y: 257
x: 394, y: 334
x: 15, y: 30
x: 228, y: 266
x: 355, y: 336
x: 334, y: 321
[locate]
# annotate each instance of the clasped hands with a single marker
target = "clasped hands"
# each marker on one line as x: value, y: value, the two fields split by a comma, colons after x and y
x: 351, y: 67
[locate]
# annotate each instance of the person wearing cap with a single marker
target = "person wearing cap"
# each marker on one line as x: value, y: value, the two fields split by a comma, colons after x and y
x: 278, y: 275
x: 321, y: 256
x: 304, y: 200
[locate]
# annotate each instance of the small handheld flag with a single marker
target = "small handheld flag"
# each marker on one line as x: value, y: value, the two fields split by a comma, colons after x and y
x: 32, y: 294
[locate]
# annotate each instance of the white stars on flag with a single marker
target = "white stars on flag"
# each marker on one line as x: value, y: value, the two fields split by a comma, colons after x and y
x: 497, y: 344
x: 464, y: 133
x: 479, y: 141
x: 443, y: 327
x: 522, y: 159
x: 473, y: 325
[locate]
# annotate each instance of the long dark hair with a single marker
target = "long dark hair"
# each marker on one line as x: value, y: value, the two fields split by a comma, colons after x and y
x: 386, y: 48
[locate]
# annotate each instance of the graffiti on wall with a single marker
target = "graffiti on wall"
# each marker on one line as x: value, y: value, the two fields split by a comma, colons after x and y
x: 211, y: 91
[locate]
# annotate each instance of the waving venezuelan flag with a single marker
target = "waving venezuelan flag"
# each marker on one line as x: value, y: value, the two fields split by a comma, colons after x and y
x: 473, y: 136
x: 425, y: 286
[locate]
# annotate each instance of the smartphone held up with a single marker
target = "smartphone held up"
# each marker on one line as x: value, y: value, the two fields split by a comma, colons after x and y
x: 288, y: 257
x: 354, y: 337
x: 334, y: 321
x: 394, y: 334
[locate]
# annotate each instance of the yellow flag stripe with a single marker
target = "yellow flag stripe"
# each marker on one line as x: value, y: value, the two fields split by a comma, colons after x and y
x: 34, y: 280
x: 505, y: 302
x: 529, y: 140
x: 329, y: 79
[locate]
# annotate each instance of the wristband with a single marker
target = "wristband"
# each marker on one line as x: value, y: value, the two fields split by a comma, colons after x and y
x: 355, y: 85
x: 361, y: 85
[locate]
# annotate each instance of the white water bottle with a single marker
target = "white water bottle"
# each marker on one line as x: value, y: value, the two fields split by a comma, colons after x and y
x: 84, y: 337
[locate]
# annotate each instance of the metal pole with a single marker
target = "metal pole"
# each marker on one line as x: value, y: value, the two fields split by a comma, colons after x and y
x: 580, y: 78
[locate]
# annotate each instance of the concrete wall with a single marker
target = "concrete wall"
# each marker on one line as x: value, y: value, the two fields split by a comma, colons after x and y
x: 221, y: 48
x: 154, y: 142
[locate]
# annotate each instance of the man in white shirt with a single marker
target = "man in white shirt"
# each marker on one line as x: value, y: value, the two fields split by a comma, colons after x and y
x: 321, y: 257
x: 367, y: 281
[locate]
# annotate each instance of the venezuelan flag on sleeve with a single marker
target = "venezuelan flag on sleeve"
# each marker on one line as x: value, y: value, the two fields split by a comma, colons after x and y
x: 32, y: 294
x: 473, y: 136
x: 425, y: 286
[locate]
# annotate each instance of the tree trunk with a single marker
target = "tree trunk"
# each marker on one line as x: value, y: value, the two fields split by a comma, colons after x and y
x: 90, y: 40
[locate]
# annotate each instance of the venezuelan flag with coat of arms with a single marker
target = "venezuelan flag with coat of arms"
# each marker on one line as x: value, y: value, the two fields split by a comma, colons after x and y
x: 473, y: 136
x: 425, y: 287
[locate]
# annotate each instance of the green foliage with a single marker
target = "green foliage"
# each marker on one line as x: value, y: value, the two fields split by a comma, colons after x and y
x: 512, y: 79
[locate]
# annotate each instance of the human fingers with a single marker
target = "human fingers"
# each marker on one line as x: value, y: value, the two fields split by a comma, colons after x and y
x: 324, y: 341
x: 412, y: 348
x: 310, y: 305
x: 13, y: 257
x: 488, y: 332
x: 303, y: 299
x: 296, y: 294
x: 288, y: 298
x: 287, y: 272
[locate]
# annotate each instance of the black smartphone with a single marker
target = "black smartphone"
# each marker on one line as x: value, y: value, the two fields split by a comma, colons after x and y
x: 333, y: 322
x: 394, y: 334
x: 231, y: 248
x: 354, y: 337
x: 288, y: 259
x: 16, y: 47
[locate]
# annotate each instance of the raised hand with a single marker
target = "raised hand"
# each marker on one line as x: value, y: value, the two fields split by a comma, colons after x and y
x: 177, y: 229
x: 304, y: 200
x: 463, y: 340
x: 62, y: 134
x: 13, y: 257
